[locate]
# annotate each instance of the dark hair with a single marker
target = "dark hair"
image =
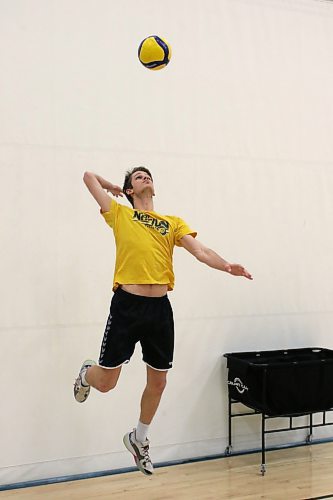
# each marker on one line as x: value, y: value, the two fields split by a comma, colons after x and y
x: 128, y: 181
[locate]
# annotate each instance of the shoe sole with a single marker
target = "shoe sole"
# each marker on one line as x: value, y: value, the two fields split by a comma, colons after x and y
x: 85, y: 397
x: 128, y: 445
x: 89, y: 362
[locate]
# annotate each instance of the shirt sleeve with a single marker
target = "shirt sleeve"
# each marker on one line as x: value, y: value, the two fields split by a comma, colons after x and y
x: 181, y: 230
x: 110, y: 215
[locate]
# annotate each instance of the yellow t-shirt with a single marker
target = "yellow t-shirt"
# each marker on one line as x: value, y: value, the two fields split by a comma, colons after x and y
x: 144, y: 245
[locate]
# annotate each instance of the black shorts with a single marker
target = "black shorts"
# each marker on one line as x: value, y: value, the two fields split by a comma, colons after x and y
x: 132, y: 319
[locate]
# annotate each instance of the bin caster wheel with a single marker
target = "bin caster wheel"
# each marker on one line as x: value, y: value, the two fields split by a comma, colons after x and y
x: 309, y: 439
x: 228, y: 450
x: 263, y: 469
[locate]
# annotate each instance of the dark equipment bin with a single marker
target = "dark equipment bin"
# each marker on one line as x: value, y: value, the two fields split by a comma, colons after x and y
x: 282, y: 382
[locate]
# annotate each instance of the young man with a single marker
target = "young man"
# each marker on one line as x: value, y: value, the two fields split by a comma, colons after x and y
x: 140, y: 309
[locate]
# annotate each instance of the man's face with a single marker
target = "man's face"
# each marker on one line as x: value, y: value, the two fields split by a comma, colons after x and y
x: 141, y: 182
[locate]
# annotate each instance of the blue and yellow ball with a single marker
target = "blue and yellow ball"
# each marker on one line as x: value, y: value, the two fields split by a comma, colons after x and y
x: 154, y: 52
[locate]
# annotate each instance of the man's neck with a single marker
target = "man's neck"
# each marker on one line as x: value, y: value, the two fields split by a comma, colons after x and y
x: 144, y: 204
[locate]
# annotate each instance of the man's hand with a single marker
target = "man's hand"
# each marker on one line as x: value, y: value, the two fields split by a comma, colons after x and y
x: 115, y: 190
x: 238, y: 270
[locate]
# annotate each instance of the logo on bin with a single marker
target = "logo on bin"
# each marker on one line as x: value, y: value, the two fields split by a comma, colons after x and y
x: 238, y: 384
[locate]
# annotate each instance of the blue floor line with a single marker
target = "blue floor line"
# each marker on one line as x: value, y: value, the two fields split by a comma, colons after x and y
x: 91, y: 475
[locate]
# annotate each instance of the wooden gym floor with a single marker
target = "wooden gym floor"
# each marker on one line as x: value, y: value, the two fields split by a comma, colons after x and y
x: 292, y: 474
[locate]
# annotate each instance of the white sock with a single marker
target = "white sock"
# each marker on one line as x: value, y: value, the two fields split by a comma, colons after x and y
x: 141, y: 432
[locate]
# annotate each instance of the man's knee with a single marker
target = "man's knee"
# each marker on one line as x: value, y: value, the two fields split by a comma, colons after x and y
x: 105, y: 386
x: 107, y: 382
x: 157, y: 385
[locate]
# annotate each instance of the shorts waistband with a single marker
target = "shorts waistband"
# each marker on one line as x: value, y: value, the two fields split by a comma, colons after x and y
x: 133, y: 296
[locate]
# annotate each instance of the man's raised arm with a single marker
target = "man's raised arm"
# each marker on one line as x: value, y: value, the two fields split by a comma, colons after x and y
x: 97, y: 186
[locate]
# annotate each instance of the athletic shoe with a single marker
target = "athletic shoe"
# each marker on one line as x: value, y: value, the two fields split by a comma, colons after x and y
x: 81, y: 391
x: 140, y: 452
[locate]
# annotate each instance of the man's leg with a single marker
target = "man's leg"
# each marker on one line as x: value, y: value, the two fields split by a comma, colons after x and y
x: 136, y: 441
x: 102, y: 379
x: 151, y: 397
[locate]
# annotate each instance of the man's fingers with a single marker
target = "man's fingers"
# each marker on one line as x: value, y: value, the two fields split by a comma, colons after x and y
x: 238, y: 270
x: 247, y: 274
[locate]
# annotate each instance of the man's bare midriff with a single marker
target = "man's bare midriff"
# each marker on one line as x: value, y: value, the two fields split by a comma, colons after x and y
x: 146, y: 290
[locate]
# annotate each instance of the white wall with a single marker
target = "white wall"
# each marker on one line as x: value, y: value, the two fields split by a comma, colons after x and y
x: 237, y: 134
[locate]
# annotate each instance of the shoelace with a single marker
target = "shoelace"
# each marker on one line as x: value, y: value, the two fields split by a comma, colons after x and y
x: 146, y: 455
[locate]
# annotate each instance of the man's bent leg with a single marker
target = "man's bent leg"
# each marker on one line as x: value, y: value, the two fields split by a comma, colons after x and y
x: 103, y: 379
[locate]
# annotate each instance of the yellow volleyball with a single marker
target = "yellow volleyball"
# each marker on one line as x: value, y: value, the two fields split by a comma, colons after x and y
x: 154, y: 52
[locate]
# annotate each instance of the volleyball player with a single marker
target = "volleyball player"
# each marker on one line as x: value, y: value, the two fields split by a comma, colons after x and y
x: 140, y: 309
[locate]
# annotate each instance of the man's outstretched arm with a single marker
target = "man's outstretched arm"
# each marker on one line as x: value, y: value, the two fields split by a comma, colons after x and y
x: 211, y: 258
